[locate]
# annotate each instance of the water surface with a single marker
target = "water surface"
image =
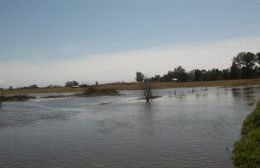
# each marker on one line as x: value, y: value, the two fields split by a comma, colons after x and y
x: 183, y: 128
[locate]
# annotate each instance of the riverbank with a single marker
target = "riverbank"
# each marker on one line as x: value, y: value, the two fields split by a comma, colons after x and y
x: 135, y: 86
x: 98, y: 92
x: 15, y: 98
x: 165, y: 85
x: 247, y: 150
x: 87, y: 93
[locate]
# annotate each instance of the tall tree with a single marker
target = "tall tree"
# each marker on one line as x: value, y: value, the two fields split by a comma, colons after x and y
x: 258, y: 61
x: 139, y: 77
x: 258, y: 58
x: 180, y: 74
x: 246, y: 61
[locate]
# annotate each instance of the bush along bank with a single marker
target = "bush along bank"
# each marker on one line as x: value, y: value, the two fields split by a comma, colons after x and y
x: 246, y: 153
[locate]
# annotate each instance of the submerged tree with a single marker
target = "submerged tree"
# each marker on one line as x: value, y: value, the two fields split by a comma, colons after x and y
x: 147, y: 88
x: 1, y: 98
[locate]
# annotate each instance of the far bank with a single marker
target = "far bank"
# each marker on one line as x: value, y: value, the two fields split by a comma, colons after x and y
x: 136, y: 86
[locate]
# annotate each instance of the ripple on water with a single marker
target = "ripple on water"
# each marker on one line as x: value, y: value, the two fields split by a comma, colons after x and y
x: 189, y: 129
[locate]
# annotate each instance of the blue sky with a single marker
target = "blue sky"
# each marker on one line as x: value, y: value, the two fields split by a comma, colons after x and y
x: 47, y: 31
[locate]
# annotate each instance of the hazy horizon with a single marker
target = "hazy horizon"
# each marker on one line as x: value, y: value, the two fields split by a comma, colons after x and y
x: 51, y: 42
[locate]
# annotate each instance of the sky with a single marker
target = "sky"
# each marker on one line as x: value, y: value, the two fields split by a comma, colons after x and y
x: 53, y: 41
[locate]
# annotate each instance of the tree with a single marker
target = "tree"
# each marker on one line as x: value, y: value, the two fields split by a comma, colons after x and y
x: 34, y: 86
x: 139, y: 77
x: 147, y: 88
x: 246, y: 61
x: 191, y: 75
x: 258, y: 58
x: 258, y: 61
x: 245, y: 65
x: 156, y: 78
x: 199, y: 75
x: 0, y: 101
x: 225, y: 74
x: 71, y: 83
x: 234, y: 71
x: 180, y: 74
x: 214, y: 74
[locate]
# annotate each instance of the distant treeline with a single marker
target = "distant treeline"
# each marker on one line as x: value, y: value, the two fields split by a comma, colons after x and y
x: 246, y: 65
x: 34, y: 86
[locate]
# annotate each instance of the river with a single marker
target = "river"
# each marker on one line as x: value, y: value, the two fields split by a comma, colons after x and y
x: 183, y: 128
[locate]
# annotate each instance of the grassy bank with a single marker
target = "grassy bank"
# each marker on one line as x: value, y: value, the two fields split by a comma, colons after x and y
x: 246, y: 153
x: 134, y: 86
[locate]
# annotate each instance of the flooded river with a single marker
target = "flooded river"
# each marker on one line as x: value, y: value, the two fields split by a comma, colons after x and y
x: 183, y: 128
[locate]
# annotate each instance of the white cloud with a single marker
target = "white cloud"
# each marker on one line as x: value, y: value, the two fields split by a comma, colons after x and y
x: 122, y: 66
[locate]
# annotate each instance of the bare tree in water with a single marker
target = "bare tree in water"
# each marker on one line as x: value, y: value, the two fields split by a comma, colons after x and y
x: 1, y: 95
x: 147, y: 88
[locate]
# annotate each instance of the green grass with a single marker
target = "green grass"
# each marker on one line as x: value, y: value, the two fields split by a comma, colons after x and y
x: 246, y: 153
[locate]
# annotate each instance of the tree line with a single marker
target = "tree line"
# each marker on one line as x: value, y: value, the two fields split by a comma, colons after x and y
x: 246, y: 65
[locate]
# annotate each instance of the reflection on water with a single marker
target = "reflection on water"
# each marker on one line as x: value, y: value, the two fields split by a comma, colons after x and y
x: 245, y: 93
x: 183, y: 128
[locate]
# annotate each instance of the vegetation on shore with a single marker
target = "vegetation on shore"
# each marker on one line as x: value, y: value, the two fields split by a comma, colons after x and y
x: 247, y: 150
x: 245, y: 70
x: 173, y: 84
x: 246, y: 65
x: 93, y: 91
x: 15, y: 98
